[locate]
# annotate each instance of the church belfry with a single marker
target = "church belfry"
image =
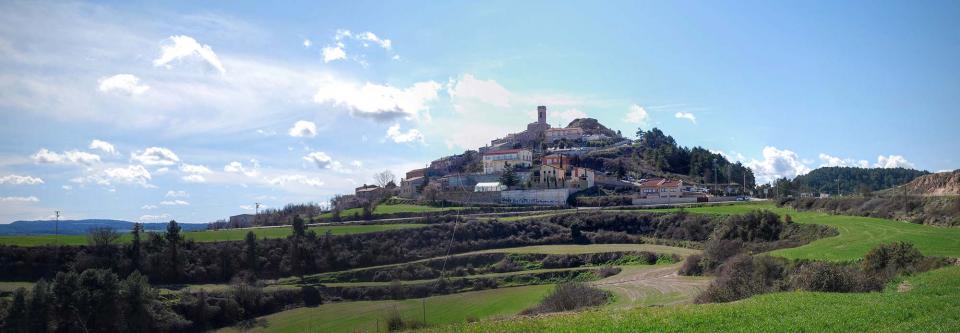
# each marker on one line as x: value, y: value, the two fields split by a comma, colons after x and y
x: 542, y: 114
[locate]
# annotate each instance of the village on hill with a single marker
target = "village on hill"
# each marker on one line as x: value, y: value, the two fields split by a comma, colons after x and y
x: 543, y: 166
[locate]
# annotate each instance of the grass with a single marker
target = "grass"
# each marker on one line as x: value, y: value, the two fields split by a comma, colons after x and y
x: 392, y: 209
x: 933, y: 305
x: 211, y: 235
x: 440, y: 310
x: 592, y: 248
x: 857, y: 234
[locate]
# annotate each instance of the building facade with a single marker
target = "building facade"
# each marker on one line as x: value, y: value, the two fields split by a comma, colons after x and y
x: 660, y: 188
x: 557, y: 134
x: 498, y: 160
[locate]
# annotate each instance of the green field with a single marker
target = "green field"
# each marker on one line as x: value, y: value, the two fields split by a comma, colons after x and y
x: 212, y: 235
x: 440, y: 310
x: 392, y: 209
x: 857, y: 234
x: 591, y: 248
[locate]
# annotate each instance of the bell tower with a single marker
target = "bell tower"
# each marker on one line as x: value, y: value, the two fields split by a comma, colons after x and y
x: 542, y: 114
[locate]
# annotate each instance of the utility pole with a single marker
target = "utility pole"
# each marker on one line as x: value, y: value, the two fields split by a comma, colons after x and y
x: 838, y: 186
x: 57, y: 226
x: 257, y: 208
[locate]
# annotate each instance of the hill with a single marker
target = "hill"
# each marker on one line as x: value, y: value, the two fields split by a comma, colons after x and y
x: 79, y: 227
x: 936, y: 184
x: 592, y: 126
x: 853, y: 180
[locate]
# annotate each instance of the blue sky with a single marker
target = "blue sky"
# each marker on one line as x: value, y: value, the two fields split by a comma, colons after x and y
x: 194, y: 111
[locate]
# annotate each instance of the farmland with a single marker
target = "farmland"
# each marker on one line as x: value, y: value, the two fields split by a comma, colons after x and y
x: 393, y: 209
x: 211, y: 235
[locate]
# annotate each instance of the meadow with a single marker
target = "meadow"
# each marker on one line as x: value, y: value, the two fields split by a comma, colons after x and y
x: 367, y: 316
x: 392, y: 209
x: 930, y: 305
x: 211, y: 235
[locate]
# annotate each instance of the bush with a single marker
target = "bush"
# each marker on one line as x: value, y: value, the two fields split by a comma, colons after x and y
x: 606, y: 271
x: 888, y: 260
x: 568, y: 297
x: 743, y: 276
x: 832, y: 277
x: 311, y: 296
x: 691, y: 266
x: 716, y: 252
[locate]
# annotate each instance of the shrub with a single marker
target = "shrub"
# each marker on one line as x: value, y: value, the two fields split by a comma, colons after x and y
x: 832, y: 277
x: 606, y: 271
x: 891, y: 259
x: 743, y: 276
x: 311, y: 296
x: 691, y: 266
x: 570, y: 296
x: 716, y: 252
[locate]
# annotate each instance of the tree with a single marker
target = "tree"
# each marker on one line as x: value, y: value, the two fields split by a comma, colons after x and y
x: 383, y: 178
x: 16, y: 320
x: 250, y: 250
x: 509, y: 177
x: 39, y: 308
x: 173, y: 239
x: 134, y: 249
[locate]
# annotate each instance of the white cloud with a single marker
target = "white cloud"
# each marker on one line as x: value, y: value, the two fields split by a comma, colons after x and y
x: 833, y: 161
x: 19, y: 199
x: 380, y: 102
x: 156, y: 156
x: 356, y: 164
x: 177, y: 194
x: 893, y: 161
x: 303, y: 129
x: 133, y: 174
x: 568, y: 115
x: 487, y: 91
x: 148, y: 207
x: 777, y: 163
x: 298, y: 179
x: 686, y: 115
x: 103, y: 146
x: 174, y: 203
x: 20, y: 180
x: 333, y: 53
x: 194, y: 169
x: 185, y: 47
x: 69, y: 157
x: 307, y: 42
x: 237, y: 167
x: 194, y: 179
x: 321, y: 159
x: 637, y: 115
x: 66, y: 187
x: 145, y: 218
x: 386, y: 44
x: 127, y: 84
x: 398, y: 136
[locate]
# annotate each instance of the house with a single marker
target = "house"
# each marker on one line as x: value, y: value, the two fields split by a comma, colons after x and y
x: 582, y: 177
x: 557, y: 160
x: 242, y: 220
x: 498, y: 160
x: 660, y: 188
x: 410, y: 187
x: 557, y: 134
x: 552, y: 176
x: 416, y: 173
x: 489, y: 187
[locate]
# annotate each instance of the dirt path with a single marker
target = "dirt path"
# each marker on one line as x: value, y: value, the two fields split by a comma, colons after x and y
x: 652, y: 285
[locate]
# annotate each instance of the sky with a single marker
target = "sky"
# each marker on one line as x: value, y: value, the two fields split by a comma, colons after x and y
x: 195, y: 111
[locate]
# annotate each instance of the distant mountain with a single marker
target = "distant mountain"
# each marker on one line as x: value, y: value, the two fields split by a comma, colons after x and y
x: 854, y: 180
x: 79, y: 227
x: 935, y: 184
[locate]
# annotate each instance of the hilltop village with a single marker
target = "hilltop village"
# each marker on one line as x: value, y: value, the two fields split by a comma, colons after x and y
x: 553, y: 166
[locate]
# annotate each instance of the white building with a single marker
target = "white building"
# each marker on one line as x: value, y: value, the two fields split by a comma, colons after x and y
x: 497, y: 161
x: 569, y: 133
x: 489, y: 187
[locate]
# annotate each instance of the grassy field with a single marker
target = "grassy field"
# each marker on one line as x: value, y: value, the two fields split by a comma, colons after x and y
x: 932, y: 305
x: 211, y: 235
x: 857, y: 234
x: 592, y: 248
x: 364, y: 316
x: 393, y: 209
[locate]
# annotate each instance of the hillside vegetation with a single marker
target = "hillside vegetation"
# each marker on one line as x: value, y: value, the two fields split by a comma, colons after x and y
x: 852, y: 179
x: 932, y: 210
x: 937, y: 184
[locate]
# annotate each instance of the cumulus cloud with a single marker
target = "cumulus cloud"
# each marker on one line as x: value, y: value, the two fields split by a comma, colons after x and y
x: 307, y: 42
x: 238, y: 167
x: 893, y: 161
x: 156, y: 156
x: 132, y: 174
x: 127, y: 84
x: 337, y: 50
x: 686, y: 115
x: 379, y: 102
x: 177, y: 194
x: 303, y: 129
x: 487, y: 91
x: 70, y: 157
x: 778, y: 163
x: 180, y: 48
x: 174, y: 203
x: 103, y: 146
x: 194, y: 169
x: 148, y: 207
x: 333, y: 52
x: 295, y: 179
x: 636, y: 114
x: 19, y: 199
x: 412, y: 135
x: 194, y: 179
x: 20, y: 180
x: 321, y: 159
x: 833, y: 161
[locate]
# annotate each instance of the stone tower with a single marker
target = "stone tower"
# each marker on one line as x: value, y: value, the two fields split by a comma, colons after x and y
x: 542, y: 114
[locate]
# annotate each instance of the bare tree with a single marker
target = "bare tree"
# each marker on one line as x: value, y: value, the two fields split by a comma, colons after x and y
x: 383, y: 178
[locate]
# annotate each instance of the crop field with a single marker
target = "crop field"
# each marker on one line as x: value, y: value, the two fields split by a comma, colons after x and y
x: 211, y: 235
x: 393, y: 209
x: 931, y: 305
x: 367, y: 316
x: 857, y: 234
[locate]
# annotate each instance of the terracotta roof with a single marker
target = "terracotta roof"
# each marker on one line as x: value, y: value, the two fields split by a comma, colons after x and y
x: 505, y: 151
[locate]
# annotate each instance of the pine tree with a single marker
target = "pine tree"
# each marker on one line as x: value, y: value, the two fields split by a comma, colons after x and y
x: 250, y: 249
